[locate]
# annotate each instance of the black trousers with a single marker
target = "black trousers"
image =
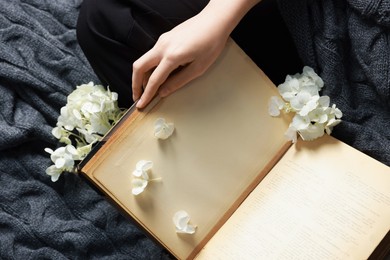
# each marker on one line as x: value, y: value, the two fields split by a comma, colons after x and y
x: 114, y: 33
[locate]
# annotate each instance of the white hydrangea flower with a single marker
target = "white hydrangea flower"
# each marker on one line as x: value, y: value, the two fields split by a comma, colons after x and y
x: 181, y: 220
x: 90, y: 112
x: 313, y: 116
x: 141, y: 176
x: 141, y: 169
x: 63, y: 159
x: 162, y: 129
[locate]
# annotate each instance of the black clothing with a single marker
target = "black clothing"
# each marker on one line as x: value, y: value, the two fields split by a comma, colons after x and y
x: 115, y: 33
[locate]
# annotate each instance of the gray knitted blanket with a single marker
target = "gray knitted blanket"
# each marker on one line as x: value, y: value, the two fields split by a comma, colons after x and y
x: 40, y: 64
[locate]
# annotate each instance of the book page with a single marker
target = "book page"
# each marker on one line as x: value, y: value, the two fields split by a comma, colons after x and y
x: 323, y: 200
x: 223, y: 144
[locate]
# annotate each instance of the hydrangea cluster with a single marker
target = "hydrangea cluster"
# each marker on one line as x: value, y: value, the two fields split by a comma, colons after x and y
x: 313, y: 114
x: 90, y: 111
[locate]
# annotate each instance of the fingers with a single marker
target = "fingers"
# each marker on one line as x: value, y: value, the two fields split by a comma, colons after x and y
x: 156, y: 79
x: 142, y: 69
x: 179, y: 79
x: 164, y: 79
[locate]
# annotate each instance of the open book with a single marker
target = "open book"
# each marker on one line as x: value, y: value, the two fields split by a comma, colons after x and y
x: 249, y: 192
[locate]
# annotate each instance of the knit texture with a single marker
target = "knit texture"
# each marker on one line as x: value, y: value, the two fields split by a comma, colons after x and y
x: 41, y: 63
x: 347, y: 43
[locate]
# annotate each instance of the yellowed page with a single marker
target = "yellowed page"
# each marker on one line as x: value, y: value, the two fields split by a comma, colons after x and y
x: 323, y: 200
x: 223, y: 142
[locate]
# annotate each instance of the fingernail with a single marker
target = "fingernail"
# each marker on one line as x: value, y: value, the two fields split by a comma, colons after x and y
x: 139, y: 103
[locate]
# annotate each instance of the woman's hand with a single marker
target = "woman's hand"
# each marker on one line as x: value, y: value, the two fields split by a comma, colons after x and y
x: 178, y: 57
x: 185, y: 52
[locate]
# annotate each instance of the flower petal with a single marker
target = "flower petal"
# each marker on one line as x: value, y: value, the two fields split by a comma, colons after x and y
x: 144, y: 165
x: 139, y: 186
x: 163, y: 130
x: 181, y: 220
x: 275, y: 105
x: 291, y: 134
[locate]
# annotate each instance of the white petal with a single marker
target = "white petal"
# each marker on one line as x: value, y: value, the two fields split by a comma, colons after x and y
x: 90, y: 107
x: 139, y: 186
x: 71, y: 149
x: 56, y: 132
x: 275, y: 105
x: 189, y: 229
x: 53, y: 172
x: 329, y: 127
x: 59, y: 163
x: 181, y: 219
x: 300, y: 122
x: 310, y: 106
x: 289, y: 88
x: 48, y: 150
x: 324, y: 101
x: 144, y: 165
x: 163, y: 130
x: 338, y: 112
x: 137, y: 173
x: 312, y: 132
x: 77, y: 114
x: 322, y: 118
x: 291, y: 134
x: 55, y: 177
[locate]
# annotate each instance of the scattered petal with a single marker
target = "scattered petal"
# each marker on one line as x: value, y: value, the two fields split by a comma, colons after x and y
x: 162, y: 129
x: 141, y: 176
x: 181, y: 220
x: 139, y: 185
